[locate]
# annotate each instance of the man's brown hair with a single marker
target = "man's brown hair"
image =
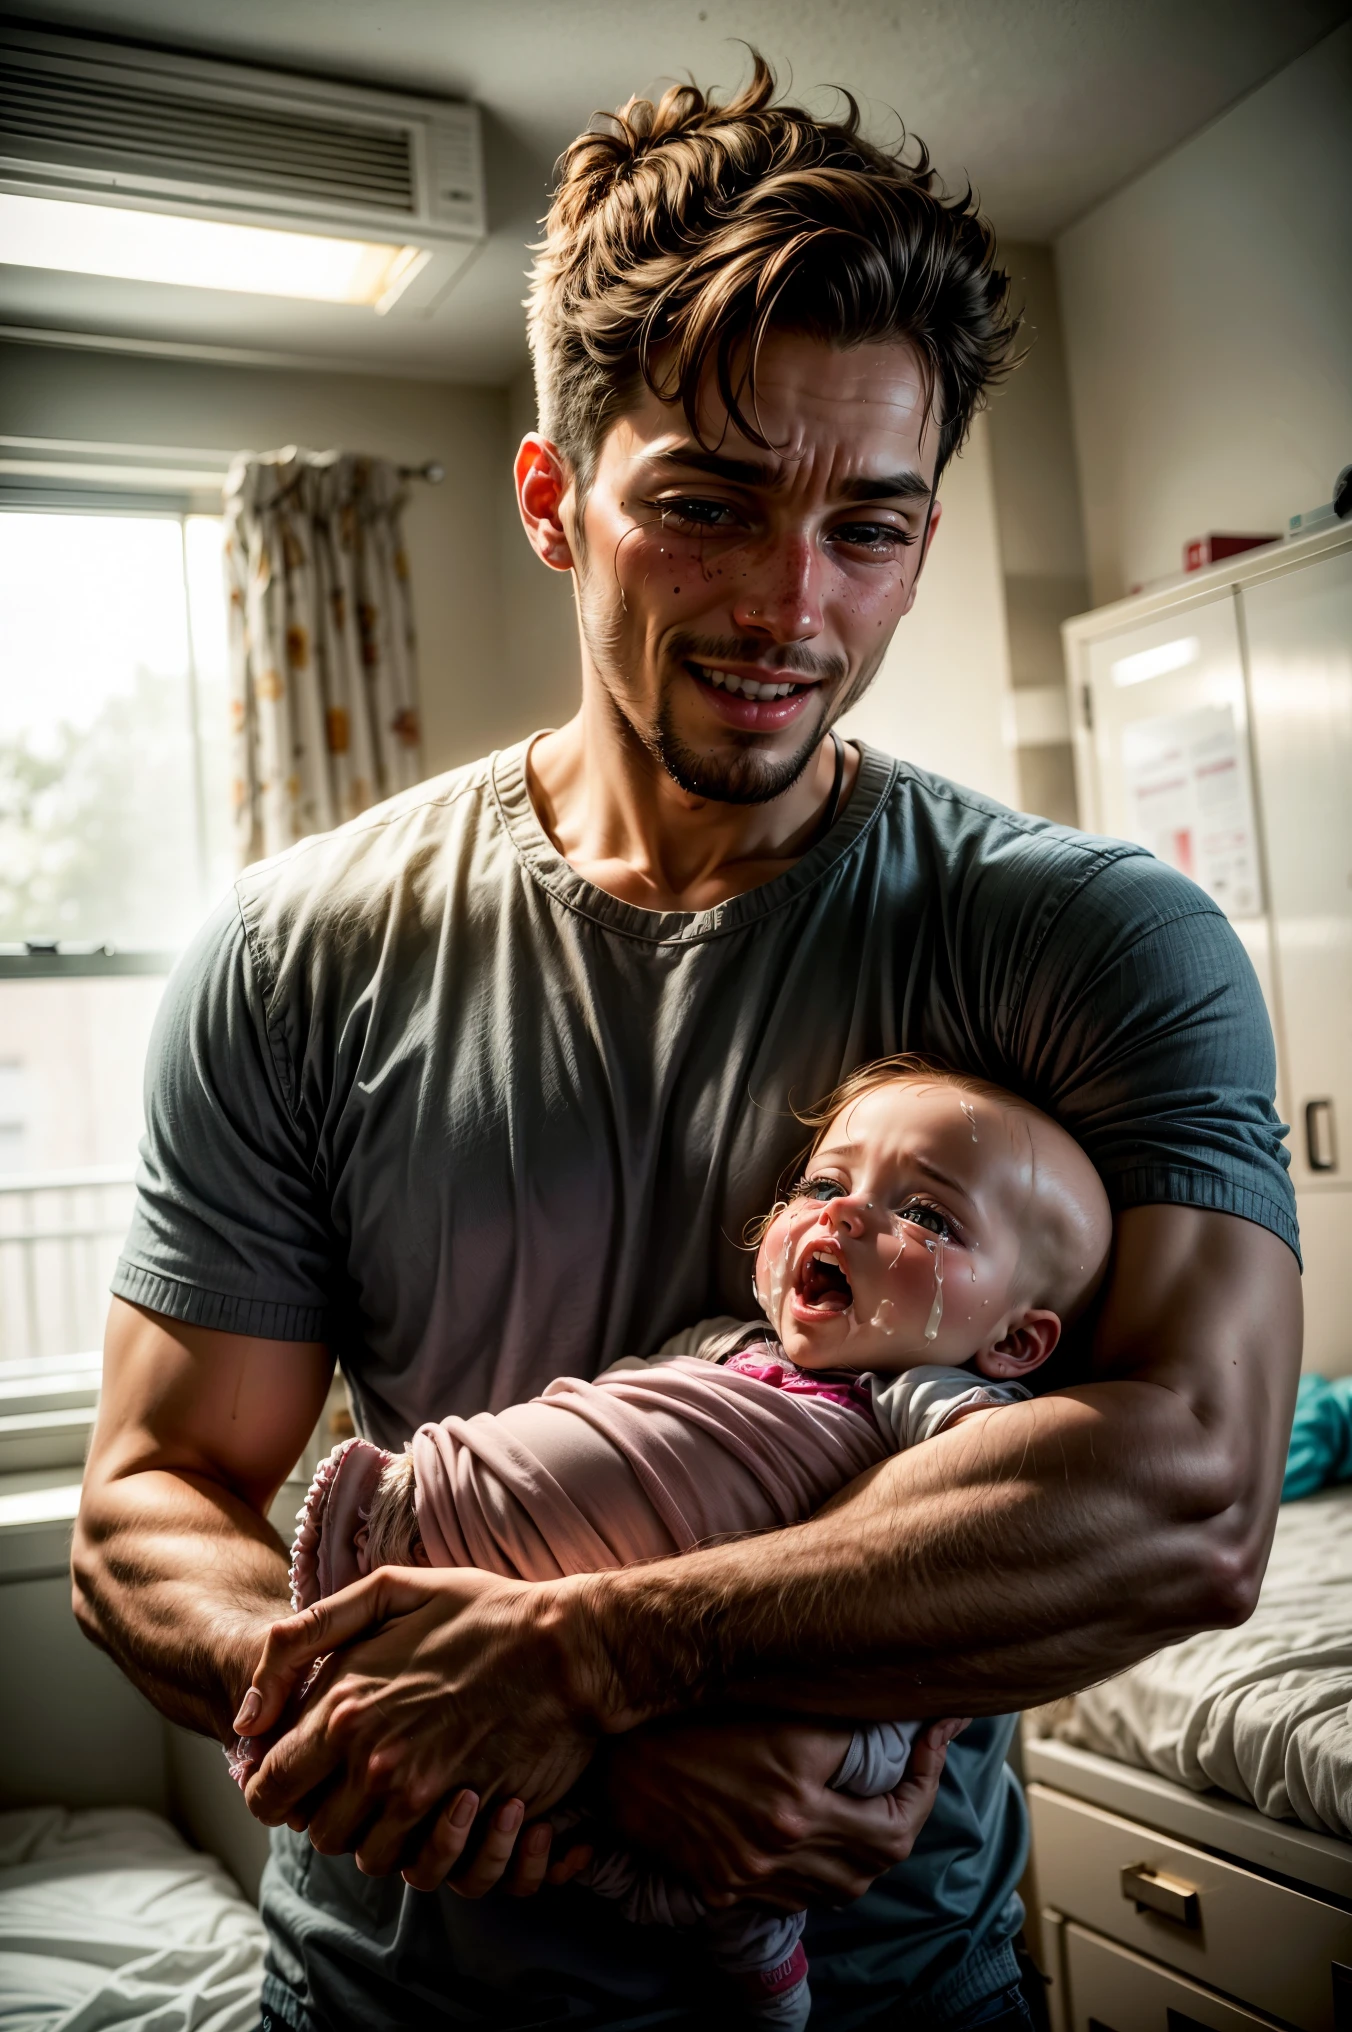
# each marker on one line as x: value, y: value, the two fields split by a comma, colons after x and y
x: 681, y: 232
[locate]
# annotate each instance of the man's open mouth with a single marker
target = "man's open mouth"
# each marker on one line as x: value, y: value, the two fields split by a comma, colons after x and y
x: 745, y: 687
x: 821, y: 1282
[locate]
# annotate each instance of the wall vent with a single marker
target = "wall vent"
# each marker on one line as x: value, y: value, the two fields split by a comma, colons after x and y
x: 113, y: 123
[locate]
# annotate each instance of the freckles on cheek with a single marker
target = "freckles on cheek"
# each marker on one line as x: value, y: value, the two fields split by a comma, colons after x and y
x: 645, y: 558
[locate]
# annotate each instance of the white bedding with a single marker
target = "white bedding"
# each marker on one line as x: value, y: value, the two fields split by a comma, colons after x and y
x: 1263, y: 1712
x: 108, y: 1919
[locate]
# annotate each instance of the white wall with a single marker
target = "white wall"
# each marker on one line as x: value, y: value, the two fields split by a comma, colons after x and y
x: 940, y: 699
x: 1037, y: 492
x: 452, y: 530
x: 1208, y: 319
x: 1037, y: 507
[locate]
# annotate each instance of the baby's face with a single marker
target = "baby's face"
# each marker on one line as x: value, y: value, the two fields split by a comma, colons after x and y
x: 902, y: 1245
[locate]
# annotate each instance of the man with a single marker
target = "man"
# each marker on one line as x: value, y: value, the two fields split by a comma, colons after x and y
x: 435, y: 1093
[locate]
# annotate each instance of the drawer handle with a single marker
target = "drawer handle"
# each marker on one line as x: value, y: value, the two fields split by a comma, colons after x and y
x: 1170, y: 1896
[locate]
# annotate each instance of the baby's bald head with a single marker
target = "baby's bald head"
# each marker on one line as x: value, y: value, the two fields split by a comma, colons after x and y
x: 1020, y: 1211
x: 1060, y: 1210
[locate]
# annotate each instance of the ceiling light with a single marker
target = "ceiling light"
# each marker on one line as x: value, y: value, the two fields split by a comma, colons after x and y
x: 203, y: 253
x: 1159, y: 662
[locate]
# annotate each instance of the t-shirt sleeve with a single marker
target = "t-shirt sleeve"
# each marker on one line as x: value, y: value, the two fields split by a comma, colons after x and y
x: 1140, y: 1023
x: 919, y: 1402
x: 229, y: 1230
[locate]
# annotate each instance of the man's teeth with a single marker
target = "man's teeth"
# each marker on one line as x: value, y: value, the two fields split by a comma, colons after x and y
x: 746, y: 687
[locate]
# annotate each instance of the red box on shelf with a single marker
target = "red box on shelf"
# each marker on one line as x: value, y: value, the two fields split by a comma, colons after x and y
x: 1205, y: 550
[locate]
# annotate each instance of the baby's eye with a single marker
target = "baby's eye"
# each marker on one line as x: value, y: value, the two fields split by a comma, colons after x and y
x: 921, y: 1215
x: 820, y: 1188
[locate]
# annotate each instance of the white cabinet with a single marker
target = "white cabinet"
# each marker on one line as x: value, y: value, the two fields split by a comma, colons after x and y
x: 1299, y: 631
x: 1213, y: 724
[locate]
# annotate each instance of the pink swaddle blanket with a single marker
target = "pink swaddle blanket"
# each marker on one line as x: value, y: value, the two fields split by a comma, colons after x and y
x: 640, y: 1464
x: 643, y: 1463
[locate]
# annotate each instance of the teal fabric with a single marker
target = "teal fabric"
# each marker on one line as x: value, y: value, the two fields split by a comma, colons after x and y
x: 1321, y: 1437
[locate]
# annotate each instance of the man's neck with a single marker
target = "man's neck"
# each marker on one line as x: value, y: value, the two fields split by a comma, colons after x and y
x: 619, y: 820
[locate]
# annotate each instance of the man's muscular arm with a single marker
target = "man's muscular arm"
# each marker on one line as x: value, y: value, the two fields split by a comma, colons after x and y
x: 176, y: 1570
x: 1033, y: 1549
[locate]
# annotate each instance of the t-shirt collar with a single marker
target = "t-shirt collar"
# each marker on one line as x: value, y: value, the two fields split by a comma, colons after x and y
x: 681, y: 927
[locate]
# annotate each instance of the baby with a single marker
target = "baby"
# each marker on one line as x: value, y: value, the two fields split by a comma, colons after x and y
x: 942, y: 1234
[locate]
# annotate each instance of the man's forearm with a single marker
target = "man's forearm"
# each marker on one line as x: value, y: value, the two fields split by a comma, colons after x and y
x: 1032, y: 1549
x: 1022, y: 1555
x: 179, y: 1580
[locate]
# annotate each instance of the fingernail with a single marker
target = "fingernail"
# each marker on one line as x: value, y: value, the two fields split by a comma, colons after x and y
x: 511, y: 1816
x: 538, y: 1840
x: 250, y: 1708
x: 464, y: 1810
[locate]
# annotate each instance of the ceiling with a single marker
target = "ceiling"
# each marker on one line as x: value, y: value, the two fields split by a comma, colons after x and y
x: 1047, y: 105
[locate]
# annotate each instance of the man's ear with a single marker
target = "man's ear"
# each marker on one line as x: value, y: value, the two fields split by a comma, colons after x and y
x: 1026, y: 1346
x: 542, y: 480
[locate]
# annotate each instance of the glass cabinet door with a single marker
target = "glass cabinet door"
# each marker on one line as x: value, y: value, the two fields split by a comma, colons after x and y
x: 1167, y: 712
x: 1299, y: 630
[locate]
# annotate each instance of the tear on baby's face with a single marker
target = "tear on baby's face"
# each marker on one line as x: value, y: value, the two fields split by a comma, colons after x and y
x: 935, y: 1225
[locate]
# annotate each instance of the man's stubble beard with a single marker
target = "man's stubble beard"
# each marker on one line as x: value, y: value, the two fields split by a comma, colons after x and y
x: 746, y: 775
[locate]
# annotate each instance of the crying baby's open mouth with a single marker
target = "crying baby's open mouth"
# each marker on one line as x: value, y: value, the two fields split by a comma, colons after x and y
x: 822, y: 1283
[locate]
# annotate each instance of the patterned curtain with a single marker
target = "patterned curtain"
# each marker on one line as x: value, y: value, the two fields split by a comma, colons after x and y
x: 322, y: 673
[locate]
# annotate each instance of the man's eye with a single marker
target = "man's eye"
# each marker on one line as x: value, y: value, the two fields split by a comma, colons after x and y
x: 820, y: 1188
x: 875, y: 536
x: 922, y: 1215
x: 685, y: 513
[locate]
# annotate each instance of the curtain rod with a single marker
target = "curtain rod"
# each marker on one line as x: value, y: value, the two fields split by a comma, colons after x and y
x: 433, y: 472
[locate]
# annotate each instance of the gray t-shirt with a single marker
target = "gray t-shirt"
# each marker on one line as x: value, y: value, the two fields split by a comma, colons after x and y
x: 421, y: 1089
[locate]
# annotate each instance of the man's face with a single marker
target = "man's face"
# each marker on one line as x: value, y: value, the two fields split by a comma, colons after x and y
x: 735, y: 602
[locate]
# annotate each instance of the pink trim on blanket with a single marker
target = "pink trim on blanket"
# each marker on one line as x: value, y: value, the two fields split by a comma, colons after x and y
x: 325, y: 1550
x: 768, y: 1363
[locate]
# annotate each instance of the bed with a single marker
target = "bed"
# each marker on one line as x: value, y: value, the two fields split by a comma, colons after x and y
x: 109, y: 1920
x: 1263, y: 1712
x: 1192, y: 1817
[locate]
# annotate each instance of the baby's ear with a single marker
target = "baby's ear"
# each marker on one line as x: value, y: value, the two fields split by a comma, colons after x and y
x: 1026, y: 1346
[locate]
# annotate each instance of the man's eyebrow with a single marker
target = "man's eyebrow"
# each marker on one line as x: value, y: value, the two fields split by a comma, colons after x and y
x: 907, y: 485
x: 741, y: 472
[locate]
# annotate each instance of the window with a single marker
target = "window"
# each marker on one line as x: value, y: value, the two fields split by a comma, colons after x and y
x: 113, y: 737
x: 114, y: 843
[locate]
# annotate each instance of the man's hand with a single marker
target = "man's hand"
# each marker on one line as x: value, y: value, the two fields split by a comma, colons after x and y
x: 744, y: 1809
x: 443, y: 1692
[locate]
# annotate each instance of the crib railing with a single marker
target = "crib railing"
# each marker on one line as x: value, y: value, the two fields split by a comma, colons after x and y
x: 60, y: 1235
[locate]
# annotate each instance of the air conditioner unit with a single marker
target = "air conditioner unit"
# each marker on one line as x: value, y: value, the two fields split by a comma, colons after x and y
x: 149, y: 130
